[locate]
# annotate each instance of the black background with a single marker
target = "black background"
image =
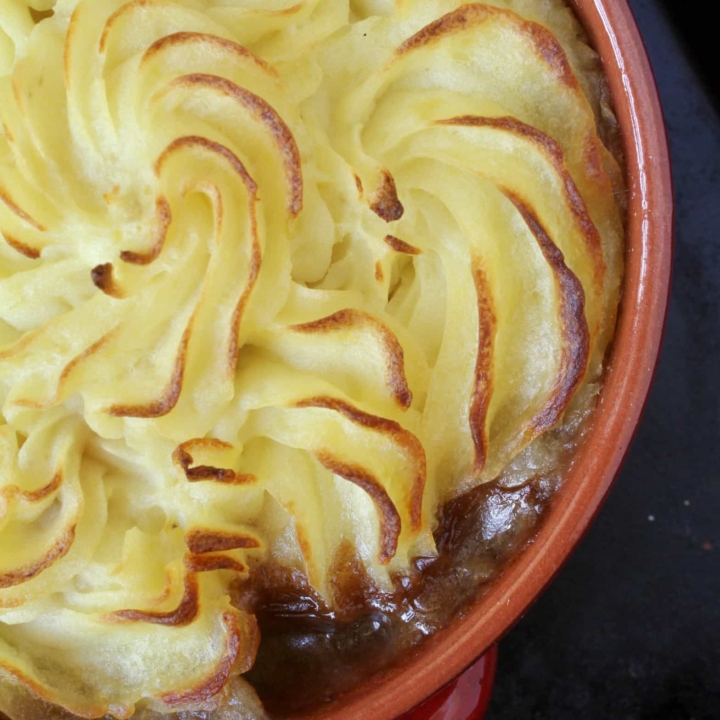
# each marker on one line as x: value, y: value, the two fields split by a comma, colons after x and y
x: 630, y: 630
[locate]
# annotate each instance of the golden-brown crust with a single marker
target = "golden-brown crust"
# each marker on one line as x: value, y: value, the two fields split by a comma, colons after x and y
x: 553, y: 152
x: 209, y: 563
x: 72, y: 28
x: 201, y: 542
x: 19, y: 345
x: 255, y: 263
x: 544, y: 42
x: 65, y: 374
x: 238, y: 167
x: 269, y: 117
x: 448, y: 24
x: 205, y: 444
x: 13, y: 492
x: 169, y: 583
x: 575, y: 333
x: 358, y: 184
x: 8, y: 201
x: 190, y: 142
x: 483, y: 385
x: 21, y: 247
x: 401, y: 246
x: 214, y: 684
x: 394, y: 355
x: 102, y: 277
x: 304, y: 543
x: 389, y: 210
x: 183, y: 460
x: 245, y: 639
x: 203, y: 472
x: 551, y: 51
x: 213, y: 41
x: 162, y: 406
x: 353, y: 590
x: 393, y: 430
x: 385, y: 203
x: 31, y: 570
x: 379, y: 275
x: 292, y: 10
x: 122, y: 10
x: 390, y: 522
x: 84, y: 355
x: 163, y: 219
x: 180, y: 616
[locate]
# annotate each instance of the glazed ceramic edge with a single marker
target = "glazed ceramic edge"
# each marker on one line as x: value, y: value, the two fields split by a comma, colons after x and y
x: 614, y: 34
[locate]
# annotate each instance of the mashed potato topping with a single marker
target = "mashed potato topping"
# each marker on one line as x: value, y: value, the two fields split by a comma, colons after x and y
x: 275, y: 277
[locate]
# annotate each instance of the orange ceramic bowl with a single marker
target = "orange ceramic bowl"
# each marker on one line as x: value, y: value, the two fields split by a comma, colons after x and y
x: 614, y: 34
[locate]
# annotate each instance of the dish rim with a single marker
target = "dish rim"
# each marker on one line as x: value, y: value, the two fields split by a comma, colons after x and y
x: 614, y: 34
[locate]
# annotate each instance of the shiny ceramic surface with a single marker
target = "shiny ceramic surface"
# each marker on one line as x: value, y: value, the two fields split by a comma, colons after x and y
x: 466, y: 698
x: 614, y: 34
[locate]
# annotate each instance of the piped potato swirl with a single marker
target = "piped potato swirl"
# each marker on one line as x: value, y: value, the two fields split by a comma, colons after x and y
x: 275, y: 278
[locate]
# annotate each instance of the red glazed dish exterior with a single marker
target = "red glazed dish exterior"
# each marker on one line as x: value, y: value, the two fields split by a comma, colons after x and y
x: 466, y: 698
x: 614, y: 34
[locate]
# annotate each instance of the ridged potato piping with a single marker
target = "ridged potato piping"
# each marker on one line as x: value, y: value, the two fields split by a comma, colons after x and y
x: 273, y: 277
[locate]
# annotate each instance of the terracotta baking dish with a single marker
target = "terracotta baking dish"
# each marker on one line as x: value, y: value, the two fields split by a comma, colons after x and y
x: 614, y: 34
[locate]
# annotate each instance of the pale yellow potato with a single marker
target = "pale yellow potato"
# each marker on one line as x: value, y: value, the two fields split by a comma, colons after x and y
x: 274, y: 277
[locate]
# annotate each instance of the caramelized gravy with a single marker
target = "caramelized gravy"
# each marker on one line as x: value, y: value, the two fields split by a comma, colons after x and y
x: 310, y: 654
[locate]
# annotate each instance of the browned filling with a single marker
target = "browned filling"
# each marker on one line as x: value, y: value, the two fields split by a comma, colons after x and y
x: 309, y: 654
